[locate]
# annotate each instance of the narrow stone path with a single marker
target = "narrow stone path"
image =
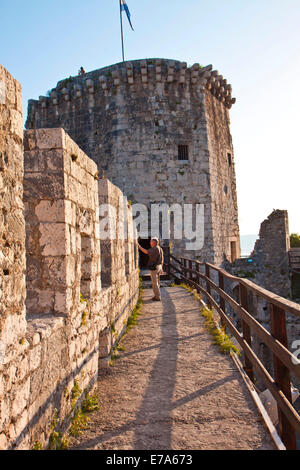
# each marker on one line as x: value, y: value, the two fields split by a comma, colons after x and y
x: 172, y: 389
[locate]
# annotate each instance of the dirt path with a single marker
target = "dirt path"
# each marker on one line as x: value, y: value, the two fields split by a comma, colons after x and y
x: 172, y: 389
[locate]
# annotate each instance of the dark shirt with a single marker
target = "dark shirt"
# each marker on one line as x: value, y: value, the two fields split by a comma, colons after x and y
x: 155, y: 256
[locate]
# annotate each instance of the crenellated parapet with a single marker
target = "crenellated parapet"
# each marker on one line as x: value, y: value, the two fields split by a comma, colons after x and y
x: 160, y: 131
x: 146, y: 73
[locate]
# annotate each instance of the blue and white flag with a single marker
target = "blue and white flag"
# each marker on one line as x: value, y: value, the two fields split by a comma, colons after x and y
x: 125, y: 8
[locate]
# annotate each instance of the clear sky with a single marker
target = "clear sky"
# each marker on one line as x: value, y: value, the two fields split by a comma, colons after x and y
x: 255, y: 44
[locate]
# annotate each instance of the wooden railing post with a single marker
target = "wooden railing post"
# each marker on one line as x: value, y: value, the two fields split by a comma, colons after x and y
x: 183, y: 267
x: 191, y: 267
x: 222, y: 301
x: 197, y: 276
x: 282, y: 375
x: 246, y: 330
x: 168, y: 261
x: 207, y: 274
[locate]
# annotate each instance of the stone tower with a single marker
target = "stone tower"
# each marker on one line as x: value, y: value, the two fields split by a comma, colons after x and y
x: 160, y: 131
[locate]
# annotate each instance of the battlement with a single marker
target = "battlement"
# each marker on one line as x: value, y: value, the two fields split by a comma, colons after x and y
x: 146, y: 73
x: 135, y: 118
x: 65, y: 297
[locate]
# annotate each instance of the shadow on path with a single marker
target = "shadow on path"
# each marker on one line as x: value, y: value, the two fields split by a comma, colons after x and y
x: 136, y: 424
x: 157, y: 402
x: 157, y: 346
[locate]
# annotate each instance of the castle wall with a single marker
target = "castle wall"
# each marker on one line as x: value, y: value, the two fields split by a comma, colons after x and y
x: 50, y: 357
x: 119, y: 265
x: 62, y: 224
x: 131, y: 118
x: 224, y: 207
x: 12, y: 226
x: 13, y: 359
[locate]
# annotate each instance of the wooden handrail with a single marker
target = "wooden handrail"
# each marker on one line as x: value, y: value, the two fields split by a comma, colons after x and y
x: 284, y: 354
x: 175, y: 259
x: 194, y: 261
x: 286, y: 305
x: 284, y: 361
x: 284, y: 404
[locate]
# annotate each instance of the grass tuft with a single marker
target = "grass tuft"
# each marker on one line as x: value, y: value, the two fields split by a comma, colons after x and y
x: 90, y: 404
x: 75, y: 394
x: 38, y: 446
x: 219, y: 335
x: 58, y: 442
x: 79, y: 423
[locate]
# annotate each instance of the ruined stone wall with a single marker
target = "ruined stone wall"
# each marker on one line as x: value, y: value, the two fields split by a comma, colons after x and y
x: 271, y: 253
x: 50, y: 357
x: 268, y: 267
x: 268, y: 264
x: 130, y: 118
x: 271, y: 257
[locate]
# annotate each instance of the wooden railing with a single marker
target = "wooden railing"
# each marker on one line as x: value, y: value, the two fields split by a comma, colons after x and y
x: 200, y: 276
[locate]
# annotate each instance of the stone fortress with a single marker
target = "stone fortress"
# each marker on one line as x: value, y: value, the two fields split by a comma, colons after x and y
x: 160, y: 131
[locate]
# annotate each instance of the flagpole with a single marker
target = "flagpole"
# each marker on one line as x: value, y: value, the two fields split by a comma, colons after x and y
x: 122, y: 36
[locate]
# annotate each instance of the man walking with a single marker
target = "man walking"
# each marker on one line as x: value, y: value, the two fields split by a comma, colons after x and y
x: 155, y: 264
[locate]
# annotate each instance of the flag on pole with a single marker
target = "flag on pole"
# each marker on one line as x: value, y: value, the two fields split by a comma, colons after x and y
x: 125, y: 8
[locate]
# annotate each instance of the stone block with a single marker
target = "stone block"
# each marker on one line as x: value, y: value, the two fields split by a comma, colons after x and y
x: 3, y: 438
x: 21, y: 423
x: 43, y: 186
x: 51, y: 211
x: 23, y: 369
x: 50, y: 138
x: 53, y: 239
x: 35, y: 357
x: 21, y: 396
x: 16, y: 123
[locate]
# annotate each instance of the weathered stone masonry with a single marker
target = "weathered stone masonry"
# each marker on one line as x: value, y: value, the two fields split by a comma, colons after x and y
x: 14, y: 388
x: 57, y: 343
x: 132, y: 117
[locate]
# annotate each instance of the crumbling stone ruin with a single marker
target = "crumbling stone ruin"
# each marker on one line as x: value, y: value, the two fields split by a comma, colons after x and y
x: 269, y: 267
x: 80, y: 291
x: 268, y: 264
x: 160, y: 131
